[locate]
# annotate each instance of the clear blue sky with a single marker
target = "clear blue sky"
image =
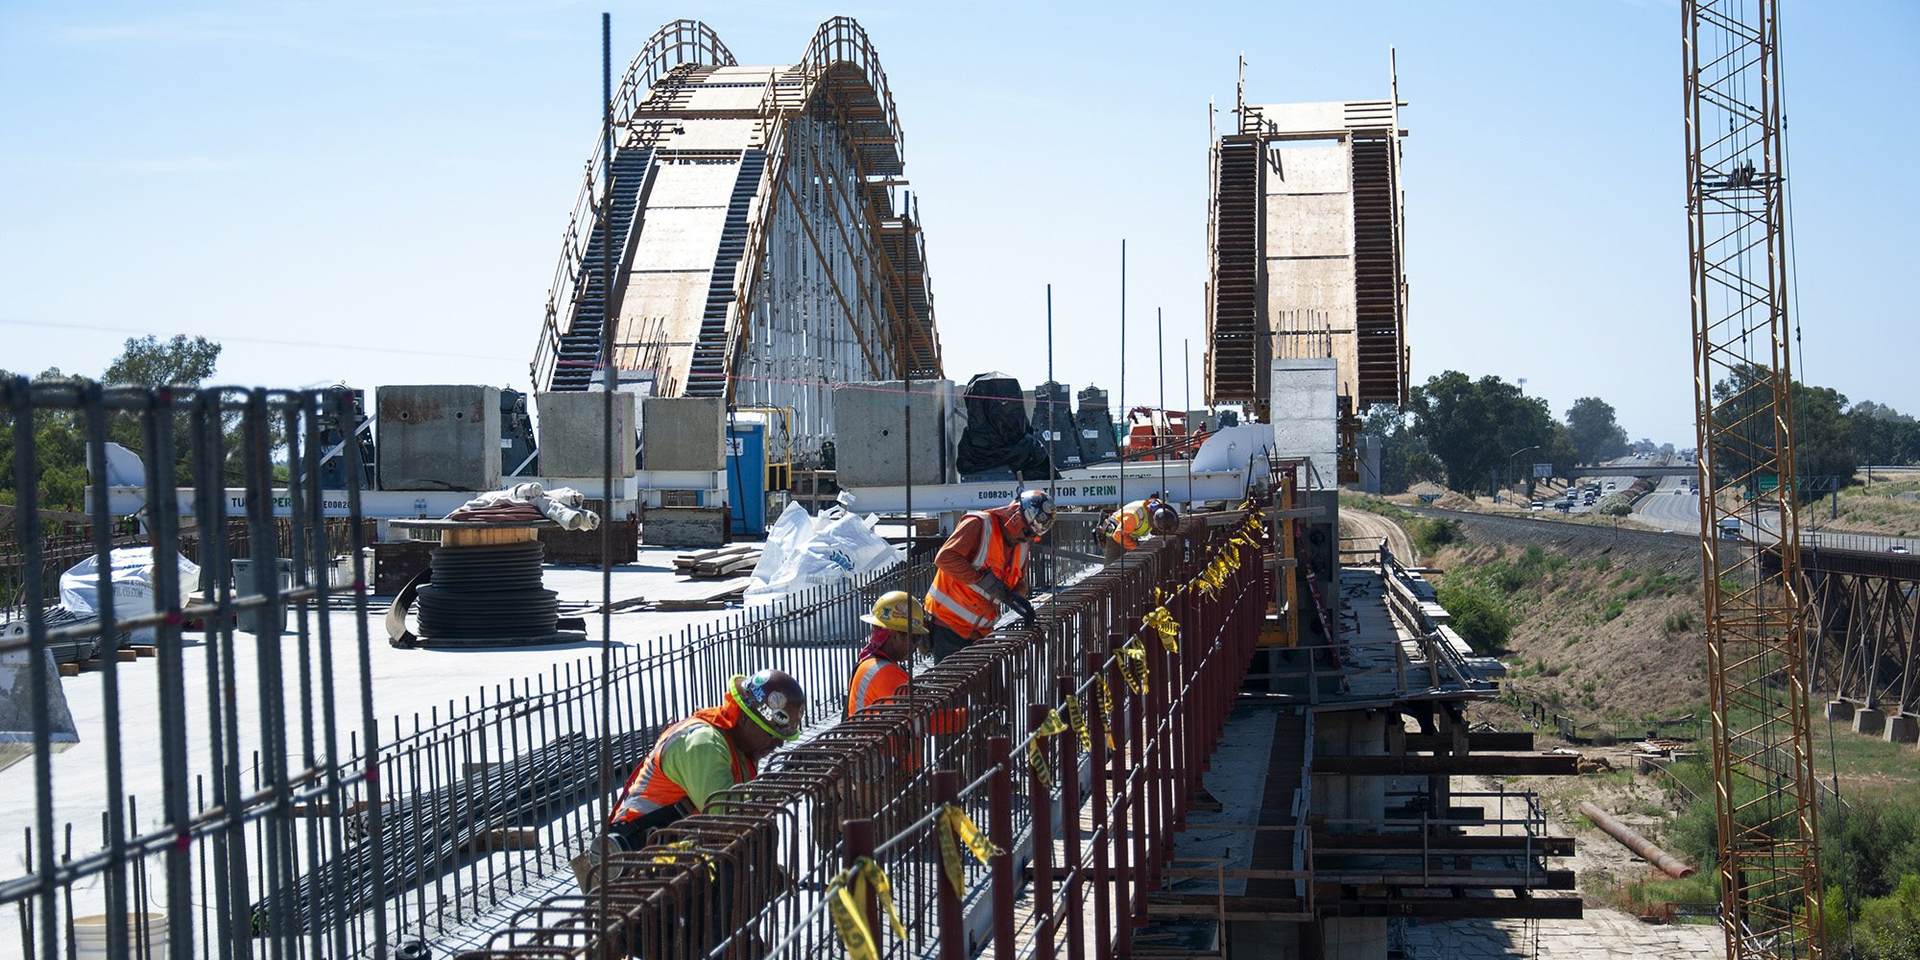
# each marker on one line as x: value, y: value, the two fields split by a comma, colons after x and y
x: 374, y: 192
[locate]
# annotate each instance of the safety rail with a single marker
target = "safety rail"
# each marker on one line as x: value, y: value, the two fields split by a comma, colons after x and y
x: 677, y: 44
x: 1147, y: 651
x: 842, y: 40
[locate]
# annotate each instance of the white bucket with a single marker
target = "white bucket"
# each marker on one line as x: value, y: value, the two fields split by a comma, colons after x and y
x: 90, y: 936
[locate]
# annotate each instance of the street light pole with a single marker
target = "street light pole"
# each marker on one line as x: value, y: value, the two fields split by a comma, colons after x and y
x: 1516, y: 453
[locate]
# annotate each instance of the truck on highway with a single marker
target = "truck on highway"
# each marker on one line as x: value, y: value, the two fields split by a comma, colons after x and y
x: 1729, y: 528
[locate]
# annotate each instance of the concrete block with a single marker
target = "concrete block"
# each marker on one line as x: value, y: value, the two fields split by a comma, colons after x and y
x: 683, y: 433
x: 1840, y: 710
x: 441, y: 437
x: 1305, y: 412
x: 684, y: 527
x: 1869, y: 721
x: 17, y: 671
x: 869, y: 432
x: 1903, y: 728
x: 573, y: 433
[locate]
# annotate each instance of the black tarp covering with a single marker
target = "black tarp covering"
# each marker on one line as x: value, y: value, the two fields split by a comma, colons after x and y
x: 999, y: 442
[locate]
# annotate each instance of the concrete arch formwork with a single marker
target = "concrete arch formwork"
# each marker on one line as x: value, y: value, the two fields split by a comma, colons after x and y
x: 766, y: 247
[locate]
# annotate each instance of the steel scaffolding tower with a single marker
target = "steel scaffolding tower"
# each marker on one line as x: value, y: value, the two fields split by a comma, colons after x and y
x: 1757, y: 666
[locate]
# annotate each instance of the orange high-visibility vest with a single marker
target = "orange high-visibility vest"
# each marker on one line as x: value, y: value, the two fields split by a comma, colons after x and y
x: 649, y: 789
x: 1132, y: 522
x: 874, y: 679
x: 964, y: 607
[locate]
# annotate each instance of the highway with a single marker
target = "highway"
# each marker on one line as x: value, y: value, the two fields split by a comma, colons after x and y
x: 1672, y: 505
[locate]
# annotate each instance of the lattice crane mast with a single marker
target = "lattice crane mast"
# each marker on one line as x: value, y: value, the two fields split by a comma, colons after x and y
x: 1756, y: 663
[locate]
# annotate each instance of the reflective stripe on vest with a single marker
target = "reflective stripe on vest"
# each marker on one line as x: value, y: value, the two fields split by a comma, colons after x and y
x: 649, y: 789
x: 868, y: 671
x: 1132, y: 522
x: 965, y: 608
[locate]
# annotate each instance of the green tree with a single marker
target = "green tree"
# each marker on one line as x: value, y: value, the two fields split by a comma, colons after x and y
x: 1596, y: 436
x: 1388, y: 426
x: 147, y: 362
x: 1821, y: 432
x: 1474, y: 427
x: 60, y: 436
x: 1424, y: 467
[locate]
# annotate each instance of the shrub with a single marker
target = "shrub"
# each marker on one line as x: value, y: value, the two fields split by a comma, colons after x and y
x: 1679, y: 621
x: 1430, y: 535
x: 1480, y: 615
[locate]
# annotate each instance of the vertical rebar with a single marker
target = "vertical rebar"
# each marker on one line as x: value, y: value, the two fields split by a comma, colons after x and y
x: 27, y: 526
x: 609, y: 383
x: 953, y: 929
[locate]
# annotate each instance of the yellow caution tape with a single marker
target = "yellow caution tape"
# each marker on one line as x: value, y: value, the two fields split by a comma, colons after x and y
x: 956, y: 830
x: 1050, y: 726
x: 1077, y: 716
x: 1133, y: 665
x: 852, y: 927
x: 1037, y: 761
x: 850, y: 890
x: 1161, y: 620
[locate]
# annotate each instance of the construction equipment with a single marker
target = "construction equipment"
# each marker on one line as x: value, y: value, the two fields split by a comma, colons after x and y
x: 1757, y: 670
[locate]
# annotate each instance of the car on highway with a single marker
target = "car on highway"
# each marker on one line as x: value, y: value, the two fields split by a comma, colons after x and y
x: 1537, y: 505
x: 1898, y: 548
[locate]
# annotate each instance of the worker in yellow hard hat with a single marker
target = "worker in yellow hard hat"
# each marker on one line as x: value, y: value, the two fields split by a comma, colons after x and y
x: 882, y: 669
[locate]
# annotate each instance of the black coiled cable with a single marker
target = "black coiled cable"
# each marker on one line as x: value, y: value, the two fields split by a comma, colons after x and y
x: 487, y: 594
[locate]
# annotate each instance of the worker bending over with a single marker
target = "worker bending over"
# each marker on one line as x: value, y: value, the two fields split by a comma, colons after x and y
x: 714, y: 749
x: 982, y: 569
x: 1126, y: 527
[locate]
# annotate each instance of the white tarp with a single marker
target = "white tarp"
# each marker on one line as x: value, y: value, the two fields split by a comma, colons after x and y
x: 132, y: 579
x: 804, y: 551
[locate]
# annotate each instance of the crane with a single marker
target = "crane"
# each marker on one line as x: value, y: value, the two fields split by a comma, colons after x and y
x: 1756, y: 664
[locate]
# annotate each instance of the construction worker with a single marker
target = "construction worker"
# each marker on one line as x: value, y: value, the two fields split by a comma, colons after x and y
x: 982, y: 569
x: 882, y: 669
x: 716, y: 748
x: 1126, y: 527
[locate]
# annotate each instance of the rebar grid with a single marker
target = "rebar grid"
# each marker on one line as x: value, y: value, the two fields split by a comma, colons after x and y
x: 753, y: 875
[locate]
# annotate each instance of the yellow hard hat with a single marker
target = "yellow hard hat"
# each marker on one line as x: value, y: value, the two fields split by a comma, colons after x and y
x: 893, y: 611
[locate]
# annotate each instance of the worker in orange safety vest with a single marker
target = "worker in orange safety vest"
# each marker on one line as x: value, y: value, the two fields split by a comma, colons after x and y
x: 982, y: 569
x: 1123, y: 529
x: 706, y: 753
x: 882, y: 670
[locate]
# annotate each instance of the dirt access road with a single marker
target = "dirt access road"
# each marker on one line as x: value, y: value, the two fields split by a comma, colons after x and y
x: 1360, y: 523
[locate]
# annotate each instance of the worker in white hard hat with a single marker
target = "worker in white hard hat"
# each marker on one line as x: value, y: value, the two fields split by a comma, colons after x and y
x: 982, y: 570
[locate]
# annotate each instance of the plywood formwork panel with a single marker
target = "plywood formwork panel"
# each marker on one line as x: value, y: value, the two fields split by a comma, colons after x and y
x: 713, y: 97
x: 1314, y: 225
x: 717, y: 135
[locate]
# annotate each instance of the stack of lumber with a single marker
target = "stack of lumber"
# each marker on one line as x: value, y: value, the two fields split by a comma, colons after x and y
x: 734, y: 561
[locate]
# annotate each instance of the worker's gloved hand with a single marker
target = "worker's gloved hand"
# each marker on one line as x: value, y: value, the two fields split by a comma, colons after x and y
x: 1107, y: 527
x: 1021, y: 606
x: 993, y: 587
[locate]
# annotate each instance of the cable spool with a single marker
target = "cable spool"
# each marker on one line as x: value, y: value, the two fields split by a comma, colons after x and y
x: 487, y: 594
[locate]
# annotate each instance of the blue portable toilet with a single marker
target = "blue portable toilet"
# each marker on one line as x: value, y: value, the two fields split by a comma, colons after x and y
x: 747, y: 476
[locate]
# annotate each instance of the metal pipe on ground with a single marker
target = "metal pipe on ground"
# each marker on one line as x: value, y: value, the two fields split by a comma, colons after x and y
x: 1666, y: 862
